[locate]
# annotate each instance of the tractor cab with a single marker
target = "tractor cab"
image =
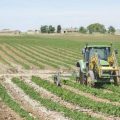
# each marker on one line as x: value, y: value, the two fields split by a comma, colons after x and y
x: 102, y: 51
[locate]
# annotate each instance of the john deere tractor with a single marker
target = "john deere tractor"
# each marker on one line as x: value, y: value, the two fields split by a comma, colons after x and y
x: 99, y: 65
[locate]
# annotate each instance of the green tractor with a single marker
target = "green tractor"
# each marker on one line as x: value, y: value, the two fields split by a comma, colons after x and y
x: 99, y: 65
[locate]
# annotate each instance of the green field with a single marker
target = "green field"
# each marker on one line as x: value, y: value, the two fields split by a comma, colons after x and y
x: 50, y: 51
x: 54, y: 52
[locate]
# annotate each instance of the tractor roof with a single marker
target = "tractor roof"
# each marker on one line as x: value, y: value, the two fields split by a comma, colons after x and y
x: 98, y: 46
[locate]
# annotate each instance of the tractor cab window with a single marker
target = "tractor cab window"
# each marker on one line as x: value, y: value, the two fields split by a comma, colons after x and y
x: 102, y: 53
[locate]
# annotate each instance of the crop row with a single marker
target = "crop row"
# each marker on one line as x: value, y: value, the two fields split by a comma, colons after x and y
x: 49, y: 104
x: 25, y: 57
x: 78, y: 99
x: 4, y: 61
x: 52, y: 55
x: 62, y: 51
x: 46, y: 57
x: 113, y: 88
x: 115, y: 97
x: 6, y: 98
x: 14, y: 58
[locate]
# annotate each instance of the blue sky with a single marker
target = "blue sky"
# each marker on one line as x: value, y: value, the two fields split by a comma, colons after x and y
x: 31, y: 14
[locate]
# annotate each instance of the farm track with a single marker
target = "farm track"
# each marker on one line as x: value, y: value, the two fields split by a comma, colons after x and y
x: 46, y: 94
x: 30, y: 105
x: 6, y: 113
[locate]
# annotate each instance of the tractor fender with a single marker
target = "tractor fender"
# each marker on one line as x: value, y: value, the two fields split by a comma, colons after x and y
x: 82, y: 66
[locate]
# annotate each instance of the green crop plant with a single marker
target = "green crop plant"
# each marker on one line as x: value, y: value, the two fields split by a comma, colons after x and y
x: 45, y: 56
x: 49, y: 104
x: 54, y: 56
x: 15, y: 59
x: 113, y: 88
x: 33, y: 56
x: 115, y: 97
x: 78, y: 99
x: 7, y: 99
x: 25, y: 57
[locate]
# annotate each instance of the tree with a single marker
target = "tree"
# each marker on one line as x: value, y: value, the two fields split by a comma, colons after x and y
x: 59, y: 29
x: 82, y: 30
x: 51, y: 29
x: 44, y: 29
x: 111, y: 30
x: 96, y: 27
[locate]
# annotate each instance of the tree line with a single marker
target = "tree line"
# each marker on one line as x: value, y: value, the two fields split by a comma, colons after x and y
x: 50, y: 29
x: 92, y: 28
x: 97, y: 28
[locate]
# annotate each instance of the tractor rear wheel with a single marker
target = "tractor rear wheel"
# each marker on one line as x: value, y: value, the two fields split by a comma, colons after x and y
x: 90, y: 78
x: 117, y: 79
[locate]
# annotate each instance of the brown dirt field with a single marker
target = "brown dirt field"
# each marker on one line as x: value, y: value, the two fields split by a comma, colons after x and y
x: 7, y: 114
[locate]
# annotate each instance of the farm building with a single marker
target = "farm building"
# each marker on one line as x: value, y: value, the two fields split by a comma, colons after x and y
x: 33, y: 32
x: 117, y: 32
x: 9, y: 32
x: 70, y: 30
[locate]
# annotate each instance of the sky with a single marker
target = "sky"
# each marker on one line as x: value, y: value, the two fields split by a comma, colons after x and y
x: 31, y: 14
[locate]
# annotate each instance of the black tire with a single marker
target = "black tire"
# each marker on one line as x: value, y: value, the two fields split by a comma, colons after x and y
x: 117, y: 79
x: 82, y: 78
x: 90, y: 78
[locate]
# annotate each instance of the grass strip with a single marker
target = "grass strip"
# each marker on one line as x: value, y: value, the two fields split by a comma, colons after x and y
x: 78, y: 99
x: 6, y: 98
x: 49, y: 104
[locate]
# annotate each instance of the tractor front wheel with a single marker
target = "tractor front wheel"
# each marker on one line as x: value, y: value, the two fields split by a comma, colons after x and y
x: 90, y: 78
x: 82, y: 78
x: 117, y: 79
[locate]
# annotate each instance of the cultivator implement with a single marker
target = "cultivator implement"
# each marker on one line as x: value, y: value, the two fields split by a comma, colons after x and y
x: 59, y: 76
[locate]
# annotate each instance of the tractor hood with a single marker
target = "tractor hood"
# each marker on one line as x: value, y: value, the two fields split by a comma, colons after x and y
x: 104, y: 63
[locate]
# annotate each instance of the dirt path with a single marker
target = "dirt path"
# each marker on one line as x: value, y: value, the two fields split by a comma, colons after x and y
x: 46, y: 94
x: 30, y: 105
x: 7, y: 114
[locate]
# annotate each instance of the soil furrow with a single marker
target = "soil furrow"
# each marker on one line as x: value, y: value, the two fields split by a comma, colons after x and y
x: 97, y: 99
x: 7, y: 114
x: 46, y: 94
x: 31, y: 105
